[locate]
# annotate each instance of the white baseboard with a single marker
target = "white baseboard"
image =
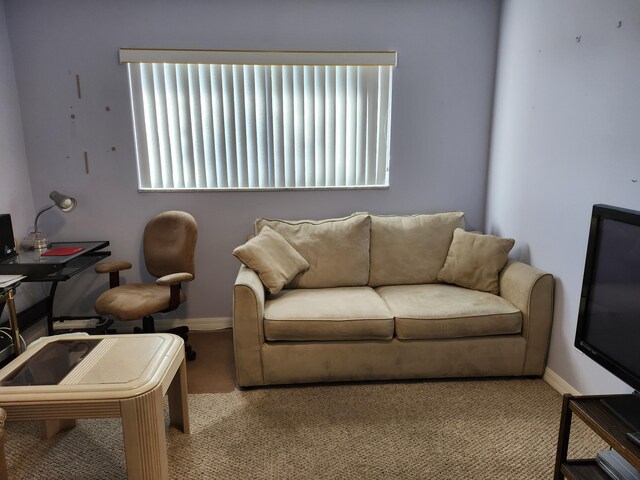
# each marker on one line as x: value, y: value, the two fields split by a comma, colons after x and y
x: 201, y: 324
x: 558, y: 383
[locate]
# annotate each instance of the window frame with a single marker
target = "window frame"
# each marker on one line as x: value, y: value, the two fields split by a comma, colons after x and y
x: 260, y: 58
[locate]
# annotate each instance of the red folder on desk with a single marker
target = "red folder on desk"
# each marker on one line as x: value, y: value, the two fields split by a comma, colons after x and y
x: 62, y: 251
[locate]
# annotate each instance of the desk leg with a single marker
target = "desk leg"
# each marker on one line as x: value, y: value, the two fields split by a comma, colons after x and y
x: 52, y: 296
x: 145, y: 441
x: 178, y: 402
x: 13, y: 323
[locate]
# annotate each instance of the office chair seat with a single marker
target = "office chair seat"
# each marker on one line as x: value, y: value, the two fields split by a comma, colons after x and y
x: 134, y: 301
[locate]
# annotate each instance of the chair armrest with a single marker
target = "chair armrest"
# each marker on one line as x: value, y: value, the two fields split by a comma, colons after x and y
x: 108, y: 267
x: 113, y: 269
x: 531, y: 291
x: 248, y: 329
x: 173, y: 281
x: 174, y: 278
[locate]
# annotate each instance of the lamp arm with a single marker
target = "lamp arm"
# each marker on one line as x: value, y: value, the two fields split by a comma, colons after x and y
x: 35, y: 223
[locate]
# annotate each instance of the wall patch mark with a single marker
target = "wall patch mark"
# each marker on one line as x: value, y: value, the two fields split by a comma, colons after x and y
x: 78, y: 86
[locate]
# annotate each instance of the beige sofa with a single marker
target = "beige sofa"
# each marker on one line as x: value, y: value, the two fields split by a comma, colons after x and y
x: 372, y: 306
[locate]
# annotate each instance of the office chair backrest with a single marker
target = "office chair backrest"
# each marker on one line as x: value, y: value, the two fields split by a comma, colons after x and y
x: 169, y: 244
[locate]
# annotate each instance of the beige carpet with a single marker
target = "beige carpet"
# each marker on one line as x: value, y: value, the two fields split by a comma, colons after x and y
x: 486, y: 429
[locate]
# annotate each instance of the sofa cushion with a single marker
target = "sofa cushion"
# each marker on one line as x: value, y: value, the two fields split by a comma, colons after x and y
x: 345, y: 313
x: 337, y: 249
x: 475, y: 261
x: 410, y: 249
x: 447, y: 311
x: 272, y: 258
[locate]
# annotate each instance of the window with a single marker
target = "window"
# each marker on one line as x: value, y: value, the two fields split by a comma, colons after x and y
x: 211, y: 120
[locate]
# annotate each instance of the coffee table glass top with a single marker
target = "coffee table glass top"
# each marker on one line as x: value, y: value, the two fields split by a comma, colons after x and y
x: 51, y: 364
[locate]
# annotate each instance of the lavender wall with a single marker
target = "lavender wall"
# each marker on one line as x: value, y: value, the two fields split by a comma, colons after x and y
x: 15, y: 187
x: 565, y: 137
x: 442, y: 103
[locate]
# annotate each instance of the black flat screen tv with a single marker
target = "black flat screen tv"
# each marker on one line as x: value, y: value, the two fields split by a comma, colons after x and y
x: 608, y: 328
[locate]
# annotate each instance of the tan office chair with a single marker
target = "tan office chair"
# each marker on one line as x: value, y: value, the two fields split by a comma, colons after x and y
x: 169, y: 253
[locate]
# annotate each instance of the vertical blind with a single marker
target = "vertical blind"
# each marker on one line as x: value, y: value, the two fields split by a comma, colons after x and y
x: 260, y: 126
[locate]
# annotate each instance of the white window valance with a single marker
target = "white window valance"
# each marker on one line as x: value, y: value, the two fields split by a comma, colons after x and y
x: 257, y: 57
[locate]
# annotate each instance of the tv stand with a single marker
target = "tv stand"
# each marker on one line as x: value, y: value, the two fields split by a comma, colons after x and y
x: 611, y: 428
x: 627, y: 408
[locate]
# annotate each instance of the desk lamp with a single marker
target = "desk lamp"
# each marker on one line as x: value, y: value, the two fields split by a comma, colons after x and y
x: 37, y: 240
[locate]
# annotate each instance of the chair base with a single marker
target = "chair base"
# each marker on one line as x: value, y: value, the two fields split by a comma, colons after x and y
x: 148, y: 326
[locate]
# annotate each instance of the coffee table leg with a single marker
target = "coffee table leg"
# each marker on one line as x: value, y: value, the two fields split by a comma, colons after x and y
x: 3, y: 457
x: 145, y: 441
x: 51, y: 427
x: 178, y: 402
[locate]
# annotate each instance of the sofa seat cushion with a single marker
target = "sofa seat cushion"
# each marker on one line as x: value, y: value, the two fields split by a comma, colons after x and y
x: 446, y: 311
x: 327, y: 314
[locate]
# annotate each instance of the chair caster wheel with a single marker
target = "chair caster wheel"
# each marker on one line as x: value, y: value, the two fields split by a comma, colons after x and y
x: 189, y: 353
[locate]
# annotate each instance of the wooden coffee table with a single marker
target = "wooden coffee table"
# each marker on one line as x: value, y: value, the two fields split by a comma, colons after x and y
x: 104, y: 376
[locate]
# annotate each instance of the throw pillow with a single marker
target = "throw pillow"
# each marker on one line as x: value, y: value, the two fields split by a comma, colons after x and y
x: 272, y: 258
x: 475, y: 261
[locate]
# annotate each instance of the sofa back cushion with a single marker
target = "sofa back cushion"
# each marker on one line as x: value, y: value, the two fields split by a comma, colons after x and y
x: 337, y: 250
x: 410, y: 249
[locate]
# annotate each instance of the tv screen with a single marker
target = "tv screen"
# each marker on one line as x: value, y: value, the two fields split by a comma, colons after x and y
x: 609, y: 316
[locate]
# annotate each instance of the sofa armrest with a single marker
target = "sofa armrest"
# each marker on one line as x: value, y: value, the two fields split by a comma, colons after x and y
x: 248, y: 329
x: 531, y: 291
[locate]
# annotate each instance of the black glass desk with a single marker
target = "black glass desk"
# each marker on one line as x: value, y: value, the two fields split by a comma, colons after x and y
x: 54, y: 269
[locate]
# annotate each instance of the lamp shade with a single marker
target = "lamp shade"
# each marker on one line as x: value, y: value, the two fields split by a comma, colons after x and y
x: 62, y: 201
